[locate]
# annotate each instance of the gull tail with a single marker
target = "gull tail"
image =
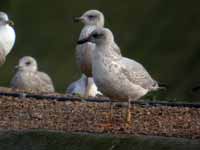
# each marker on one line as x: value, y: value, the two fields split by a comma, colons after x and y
x: 196, y: 88
x: 162, y: 86
x: 159, y: 86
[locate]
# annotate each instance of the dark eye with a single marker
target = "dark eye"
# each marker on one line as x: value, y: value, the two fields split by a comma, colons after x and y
x: 28, y: 63
x: 91, y: 17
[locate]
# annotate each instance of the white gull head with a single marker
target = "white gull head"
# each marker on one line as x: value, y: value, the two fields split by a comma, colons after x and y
x: 27, y: 63
x: 92, y: 17
x: 100, y: 36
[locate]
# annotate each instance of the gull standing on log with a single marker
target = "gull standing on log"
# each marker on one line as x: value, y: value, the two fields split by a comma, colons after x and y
x: 28, y: 77
x: 7, y: 36
x: 116, y: 76
x: 80, y: 86
x: 91, y: 19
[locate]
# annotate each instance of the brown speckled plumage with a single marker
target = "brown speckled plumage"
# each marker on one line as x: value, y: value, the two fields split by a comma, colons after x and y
x: 28, y: 77
x: 116, y: 76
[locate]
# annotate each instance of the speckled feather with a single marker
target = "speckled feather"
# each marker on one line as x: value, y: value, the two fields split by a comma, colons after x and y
x: 28, y: 77
x: 34, y: 81
x: 117, y: 76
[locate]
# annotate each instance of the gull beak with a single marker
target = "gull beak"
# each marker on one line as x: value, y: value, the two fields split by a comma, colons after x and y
x: 82, y: 41
x: 10, y: 22
x: 78, y: 19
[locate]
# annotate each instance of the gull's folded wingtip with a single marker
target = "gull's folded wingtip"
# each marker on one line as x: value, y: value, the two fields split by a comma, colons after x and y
x: 163, y: 86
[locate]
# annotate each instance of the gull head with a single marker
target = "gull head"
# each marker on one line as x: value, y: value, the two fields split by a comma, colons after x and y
x: 100, y: 36
x: 4, y: 20
x: 91, y: 17
x: 27, y: 63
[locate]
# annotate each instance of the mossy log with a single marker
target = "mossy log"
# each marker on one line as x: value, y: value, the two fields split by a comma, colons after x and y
x: 45, y: 140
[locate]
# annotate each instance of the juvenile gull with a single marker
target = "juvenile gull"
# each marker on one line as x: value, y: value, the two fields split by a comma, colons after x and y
x: 116, y: 76
x: 91, y: 19
x: 28, y: 77
x: 7, y: 36
x: 80, y: 87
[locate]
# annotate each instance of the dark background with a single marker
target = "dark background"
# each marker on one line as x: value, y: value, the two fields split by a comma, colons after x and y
x: 163, y: 35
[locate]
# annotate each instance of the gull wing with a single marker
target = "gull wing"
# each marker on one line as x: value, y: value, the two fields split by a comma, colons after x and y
x: 137, y: 74
x: 44, y: 81
x: 116, y: 48
x: 78, y: 87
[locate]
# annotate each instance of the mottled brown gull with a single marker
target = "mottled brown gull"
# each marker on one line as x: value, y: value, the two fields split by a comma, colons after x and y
x: 116, y: 76
x: 7, y: 36
x: 79, y: 87
x: 28, y: 77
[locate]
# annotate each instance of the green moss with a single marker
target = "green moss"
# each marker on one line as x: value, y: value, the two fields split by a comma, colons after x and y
x: 43, y: 140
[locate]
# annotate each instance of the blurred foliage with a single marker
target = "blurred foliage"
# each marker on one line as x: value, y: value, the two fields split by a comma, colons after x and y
x: 162, y: 35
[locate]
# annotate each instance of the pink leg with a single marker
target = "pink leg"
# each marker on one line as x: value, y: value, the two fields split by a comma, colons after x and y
x: 129, y: 112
